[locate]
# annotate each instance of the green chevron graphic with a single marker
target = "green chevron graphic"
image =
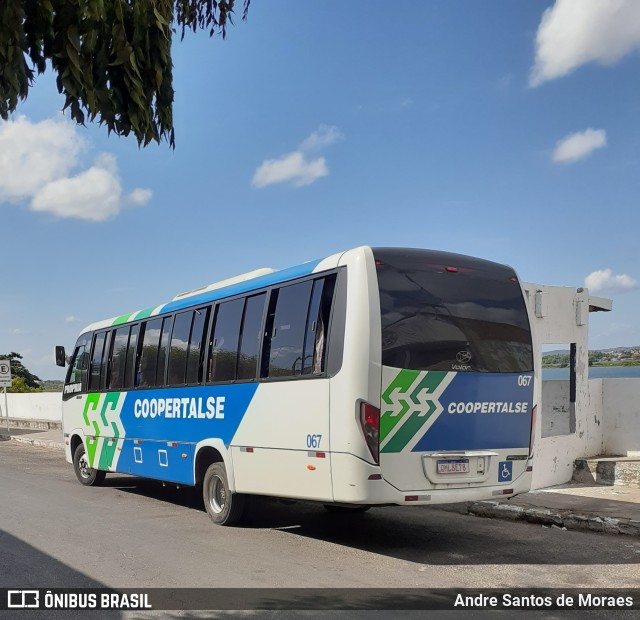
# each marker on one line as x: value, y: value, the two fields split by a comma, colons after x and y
x: 408, y: 402
x: 403, y: 381
x: 101, y: 458
x: 91, y: 404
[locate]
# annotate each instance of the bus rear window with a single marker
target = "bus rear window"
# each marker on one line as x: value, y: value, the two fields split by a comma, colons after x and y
x: 450, y: 312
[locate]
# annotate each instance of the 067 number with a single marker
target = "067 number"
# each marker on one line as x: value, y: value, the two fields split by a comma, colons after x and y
x: 313, y: 441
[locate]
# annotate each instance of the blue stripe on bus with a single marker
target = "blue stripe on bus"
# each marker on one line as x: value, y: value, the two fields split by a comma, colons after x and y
x: 243, y: 287
x: 183, y: 415
x: 154, y: 459
x: 477, y: 430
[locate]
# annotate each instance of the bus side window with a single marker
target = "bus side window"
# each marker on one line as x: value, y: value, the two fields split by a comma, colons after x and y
x: 268, y: 331
x: 132, y: 350
x: 148, y: 360
x: 117, y: 362
x: 250, y: 336
x: 284, y: 343
x: 79, y: 366
x: 179, y: 348
x: 96, y: 361
x: 224, y: 344
x: 164, y: 351
x: 104, y: 374
x: 315, y: 350
x: 195, y: 357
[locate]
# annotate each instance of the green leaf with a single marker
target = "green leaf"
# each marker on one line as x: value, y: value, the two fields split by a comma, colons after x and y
x: 111, y: 58
x: 159, y: 19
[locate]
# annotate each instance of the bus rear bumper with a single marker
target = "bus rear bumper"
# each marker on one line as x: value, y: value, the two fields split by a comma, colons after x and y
x: 364, y: 484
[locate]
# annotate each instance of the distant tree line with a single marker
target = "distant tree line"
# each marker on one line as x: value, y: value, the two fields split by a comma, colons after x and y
x: 596, y: 358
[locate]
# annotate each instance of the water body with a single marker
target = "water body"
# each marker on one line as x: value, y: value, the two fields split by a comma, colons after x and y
x: 595, y: 372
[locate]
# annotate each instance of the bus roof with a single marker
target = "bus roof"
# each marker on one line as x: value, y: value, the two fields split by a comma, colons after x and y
x: 219, y: 290
x: 268, y: 277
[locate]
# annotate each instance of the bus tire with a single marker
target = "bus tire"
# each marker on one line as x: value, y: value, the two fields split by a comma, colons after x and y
x: 86, y: 475
x: 345, y: 510
x: 223, y: 506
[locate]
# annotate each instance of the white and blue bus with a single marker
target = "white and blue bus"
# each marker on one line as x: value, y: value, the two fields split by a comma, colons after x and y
x: 376, y: 376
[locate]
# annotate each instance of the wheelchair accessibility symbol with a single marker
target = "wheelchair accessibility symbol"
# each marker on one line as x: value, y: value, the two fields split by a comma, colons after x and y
x: 505, y: 471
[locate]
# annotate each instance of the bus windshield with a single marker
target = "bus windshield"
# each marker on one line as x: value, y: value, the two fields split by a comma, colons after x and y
x: 450, y: 312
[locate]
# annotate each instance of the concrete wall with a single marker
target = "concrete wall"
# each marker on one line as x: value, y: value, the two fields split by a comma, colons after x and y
x: 621, y: 398
x: 560, y: 315
x: 610, y: 424
x: 36, y: 406
x: 556, y: 409
x: 598, y: 412
x: 555, y: 455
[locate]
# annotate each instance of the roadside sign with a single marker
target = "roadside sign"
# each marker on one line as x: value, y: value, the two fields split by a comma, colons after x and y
x: 5, y: 373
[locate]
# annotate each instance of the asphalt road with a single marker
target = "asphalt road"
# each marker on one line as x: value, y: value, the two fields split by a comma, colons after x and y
x: 134, y: 533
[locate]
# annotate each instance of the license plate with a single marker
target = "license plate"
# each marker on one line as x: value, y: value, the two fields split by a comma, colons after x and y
x: 460, y: 466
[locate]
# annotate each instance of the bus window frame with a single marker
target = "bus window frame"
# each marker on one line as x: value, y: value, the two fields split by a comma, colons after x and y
x: 85, y: 341
x: 330, y: 343
x: 333, y: 350
x: 190, y: 310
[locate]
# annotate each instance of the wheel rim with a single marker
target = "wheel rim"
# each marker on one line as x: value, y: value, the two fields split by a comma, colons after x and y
x: 217, y: 495
x: 83, y: 466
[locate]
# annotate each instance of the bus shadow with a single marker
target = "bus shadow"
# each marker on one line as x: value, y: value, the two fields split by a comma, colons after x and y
x: 423, y: 535
x: 185, y: 496
x: 22, y: 567
x: 429, y: 536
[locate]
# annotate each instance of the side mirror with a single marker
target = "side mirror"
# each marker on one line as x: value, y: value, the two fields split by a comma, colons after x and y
x: 60, y: 356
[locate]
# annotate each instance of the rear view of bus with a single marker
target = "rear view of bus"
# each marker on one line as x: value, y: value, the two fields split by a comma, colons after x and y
x: 457, y: 395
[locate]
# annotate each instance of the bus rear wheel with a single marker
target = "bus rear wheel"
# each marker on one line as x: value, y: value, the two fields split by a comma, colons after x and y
x: 223, y: 506
x: 85, y: 474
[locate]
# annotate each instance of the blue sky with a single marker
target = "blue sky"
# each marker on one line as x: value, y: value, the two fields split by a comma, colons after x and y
x: 316, y: 127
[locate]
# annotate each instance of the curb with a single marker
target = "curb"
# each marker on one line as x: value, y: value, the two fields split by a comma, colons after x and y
x: 37, y: 424
x: 42, y: 443
x: 563, y: 519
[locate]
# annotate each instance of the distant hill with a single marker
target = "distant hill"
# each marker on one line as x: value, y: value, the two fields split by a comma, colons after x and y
x: 617, y: 356
x: 52, y: 385
x: 614, y: 350
x: 618, y: 349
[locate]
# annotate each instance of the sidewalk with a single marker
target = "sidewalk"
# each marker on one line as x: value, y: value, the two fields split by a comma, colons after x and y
x: 36, y: 437
x: 597, y: 508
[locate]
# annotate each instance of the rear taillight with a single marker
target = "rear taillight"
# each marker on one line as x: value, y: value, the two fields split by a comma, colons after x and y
x: 532, y: 434
x: 370, y: 422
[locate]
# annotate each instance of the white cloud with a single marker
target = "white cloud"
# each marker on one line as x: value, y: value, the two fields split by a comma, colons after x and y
x: 34, y: 154
x: 575, y: 32
x: 293, y: 167
x: 91, y: 195
x: 38, y: 164
x: 579, y: 145
x: 139, y: 196
x: 603, y: 281
x: 18, y: 331
x: 325, y: 136
x: 70, y: 319
x: 297, y: 167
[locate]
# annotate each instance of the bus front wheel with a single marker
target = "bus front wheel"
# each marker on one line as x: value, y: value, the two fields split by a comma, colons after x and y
x: 85, y: 474
x: 223, y: 506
